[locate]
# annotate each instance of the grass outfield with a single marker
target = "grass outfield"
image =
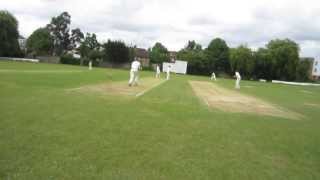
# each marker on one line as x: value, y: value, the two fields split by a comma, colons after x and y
x: 48, y: 132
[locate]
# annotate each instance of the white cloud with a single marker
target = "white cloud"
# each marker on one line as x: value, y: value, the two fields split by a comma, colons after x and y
x: 174, y: 22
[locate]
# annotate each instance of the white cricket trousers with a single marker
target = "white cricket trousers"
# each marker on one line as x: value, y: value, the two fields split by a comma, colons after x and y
x: 168, y: 75
x: 157, y: 74
x: 238, y: 84
x: 134, y: 76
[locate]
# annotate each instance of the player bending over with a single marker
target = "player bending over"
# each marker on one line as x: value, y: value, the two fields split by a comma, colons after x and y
x: 213, y: 76
x: 134, y: 72
x: 238, y: 78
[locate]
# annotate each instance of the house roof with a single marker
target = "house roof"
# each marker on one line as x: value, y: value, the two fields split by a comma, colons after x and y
x: 173, y: 53
x: 142, y: 53
x: 21, y: 37
x: 307, y: 59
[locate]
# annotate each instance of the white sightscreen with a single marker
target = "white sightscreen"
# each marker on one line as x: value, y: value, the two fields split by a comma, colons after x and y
x: 165, y: 66
x: 316, y: 68
x: 180, y: 67
x: 177, y: 67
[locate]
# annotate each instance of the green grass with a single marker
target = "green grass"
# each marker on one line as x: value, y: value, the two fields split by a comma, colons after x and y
x: 47, y: 132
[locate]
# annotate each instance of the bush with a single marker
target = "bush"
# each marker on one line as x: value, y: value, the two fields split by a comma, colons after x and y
x: 148, y: 68
x: 69, y: 59
x: 86, y: 61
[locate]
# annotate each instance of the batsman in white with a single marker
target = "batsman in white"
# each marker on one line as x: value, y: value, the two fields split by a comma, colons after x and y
x: 168, y: 72
x: 238, y: 78
x: 134, y: 72
x: 213, y: 76
x: 158, y: 72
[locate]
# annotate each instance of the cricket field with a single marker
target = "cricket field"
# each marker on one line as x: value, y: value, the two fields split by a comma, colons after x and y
x: 66, y: 122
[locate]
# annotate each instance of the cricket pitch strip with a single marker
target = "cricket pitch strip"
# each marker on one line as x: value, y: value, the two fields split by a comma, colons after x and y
x: 122, y: 87
x: 233, y: 101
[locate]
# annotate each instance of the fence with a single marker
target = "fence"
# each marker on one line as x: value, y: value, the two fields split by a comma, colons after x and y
x: 19, y: 59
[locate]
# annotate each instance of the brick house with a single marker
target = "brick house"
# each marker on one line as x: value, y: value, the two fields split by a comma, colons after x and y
x: 316, y: 70
x: 143, y: 56
x: 173, y: 56
x: 22, y: 43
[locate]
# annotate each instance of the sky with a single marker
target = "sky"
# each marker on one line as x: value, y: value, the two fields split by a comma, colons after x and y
x: 173, y: 22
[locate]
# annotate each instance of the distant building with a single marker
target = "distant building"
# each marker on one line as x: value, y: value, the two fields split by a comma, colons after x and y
x: 77, y: 56
x: 74, y: 53
x: 143, y: 56
x: 316, y: 70
x: 311, y: 60
x: 173, y: 56
x: 22, y: 43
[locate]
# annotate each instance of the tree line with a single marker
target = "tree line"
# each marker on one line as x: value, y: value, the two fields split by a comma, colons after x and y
x: 9, y: 34
x: 56, y: 39
x: 279, y: 59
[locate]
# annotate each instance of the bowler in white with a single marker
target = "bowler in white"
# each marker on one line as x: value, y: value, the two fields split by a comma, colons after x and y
x: 168, y: 72
x: 238, y: 78
x: 158, y: 72
x: 134, y: 72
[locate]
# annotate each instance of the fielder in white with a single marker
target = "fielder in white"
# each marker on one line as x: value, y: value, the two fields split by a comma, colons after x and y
x: 134, y: 72
x: 213, y: 76
x: 238, y: 78
x: 90, y: 65
x: 158, y: 72
x: 168, y: 72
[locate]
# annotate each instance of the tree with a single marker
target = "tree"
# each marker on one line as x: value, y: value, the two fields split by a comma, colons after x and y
x: 132, y: 53
x: 89, y: 44
x: 116, y: 51
x: 76, y: 38
x: 218, y: 55
x: 285, y: 53
x: 264, y: 64
x: 59, y: 30
x: 9, y: 35
x: 261, y: 58
x: 95, y: 56
x: 196, y: 58
x: 241, y: 59
x: 159, y: 54
x: 197, y: 62
x: 303, y: 70
x: 40, y: 42
x: 192, y: 45
x: 91, y: 41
